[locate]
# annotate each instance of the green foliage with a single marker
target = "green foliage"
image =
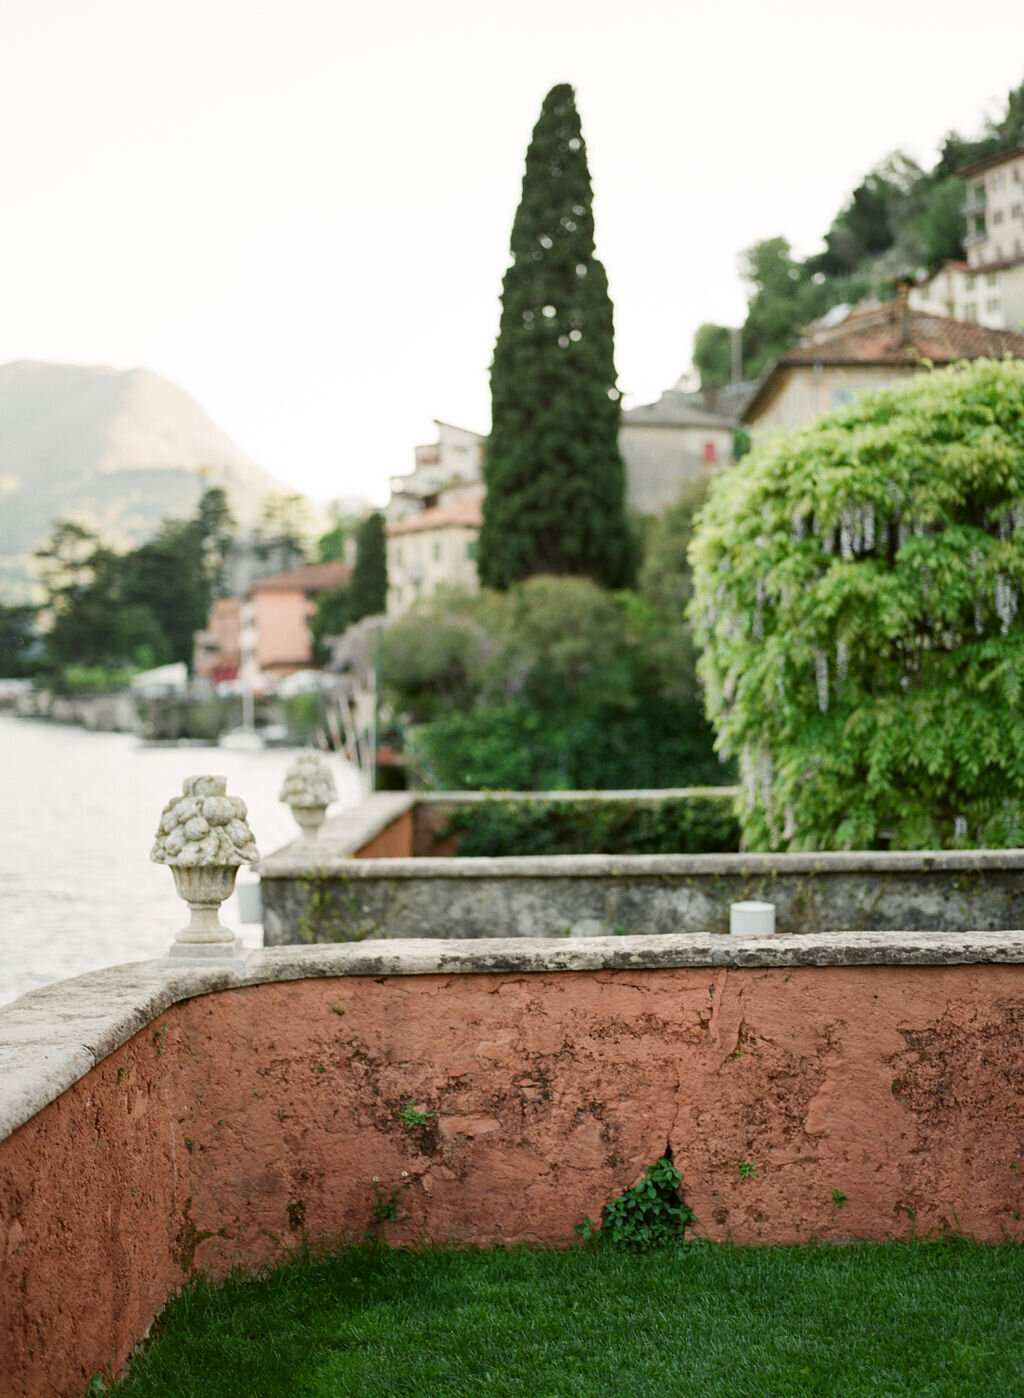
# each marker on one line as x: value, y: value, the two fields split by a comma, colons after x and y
x: 518, y: 748
x: 712, y: 356
x: 887, y: 199
x: 434, y: 657
x: 942, y: 224
x: 92, y: 679
x: 368, y: 590
x: 856, y: 596
x: 332, y: 617
x: 19, y: 642
x: 137, y: 609
x: 412, y: 1117
x: 785, y: 294
x: 698, y: 824
x: 650, y: 1215
x: 301, y: 715
x: 330, y: 547
x: 554, y: 684
x: 386, y: 1201
x: 283, y: 531
x: 555, y: 479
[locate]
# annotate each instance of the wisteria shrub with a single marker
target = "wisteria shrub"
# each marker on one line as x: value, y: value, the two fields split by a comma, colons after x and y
x: 856, y: 591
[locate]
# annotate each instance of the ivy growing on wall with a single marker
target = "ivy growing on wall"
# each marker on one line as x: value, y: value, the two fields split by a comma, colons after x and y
x: 857, y: 602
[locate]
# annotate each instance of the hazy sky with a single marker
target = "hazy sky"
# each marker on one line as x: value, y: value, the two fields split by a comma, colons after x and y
x: 299, y: 210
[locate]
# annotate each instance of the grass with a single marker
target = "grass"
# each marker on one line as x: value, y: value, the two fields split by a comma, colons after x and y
x: 928, y: 1319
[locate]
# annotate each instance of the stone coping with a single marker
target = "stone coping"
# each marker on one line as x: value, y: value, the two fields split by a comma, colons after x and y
x: 51, y: 1038
x: 327, y: 857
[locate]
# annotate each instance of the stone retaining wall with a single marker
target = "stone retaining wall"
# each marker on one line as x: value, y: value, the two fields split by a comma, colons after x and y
x: 336, y: 889
x: 155, y: 1119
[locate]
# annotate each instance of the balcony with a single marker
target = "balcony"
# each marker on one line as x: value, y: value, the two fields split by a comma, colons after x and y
x: 973, y: 204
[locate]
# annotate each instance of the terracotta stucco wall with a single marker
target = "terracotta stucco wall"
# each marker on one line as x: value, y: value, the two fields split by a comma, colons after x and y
x: 282, y: 623
x: 395, y: 841
x: 236, y: 1123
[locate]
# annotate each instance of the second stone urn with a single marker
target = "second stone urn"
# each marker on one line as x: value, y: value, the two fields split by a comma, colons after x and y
x: 204, y: 837
x: 309, y: 789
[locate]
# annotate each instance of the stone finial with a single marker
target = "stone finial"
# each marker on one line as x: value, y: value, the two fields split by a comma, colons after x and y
x: 309, y: 789
x: 204, y: 826
x: 204, y: 837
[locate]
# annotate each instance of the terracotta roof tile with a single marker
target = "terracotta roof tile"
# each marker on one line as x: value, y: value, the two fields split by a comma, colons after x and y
x: 876, y: 336
x: 314, y: 577
x: 466, y: 513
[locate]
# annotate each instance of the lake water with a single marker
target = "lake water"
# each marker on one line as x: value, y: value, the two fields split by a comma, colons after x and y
x: 78, y: 813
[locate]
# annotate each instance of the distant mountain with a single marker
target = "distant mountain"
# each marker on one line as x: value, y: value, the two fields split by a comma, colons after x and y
x: 116, y: 450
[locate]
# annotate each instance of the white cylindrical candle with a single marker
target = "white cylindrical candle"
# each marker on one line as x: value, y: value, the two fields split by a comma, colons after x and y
x: 751, y: 919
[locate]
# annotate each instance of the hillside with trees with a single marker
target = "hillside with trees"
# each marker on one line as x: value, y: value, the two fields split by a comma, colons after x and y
x: 900, y: 220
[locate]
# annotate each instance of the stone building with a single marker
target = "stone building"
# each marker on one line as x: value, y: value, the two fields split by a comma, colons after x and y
x: 668, y: 443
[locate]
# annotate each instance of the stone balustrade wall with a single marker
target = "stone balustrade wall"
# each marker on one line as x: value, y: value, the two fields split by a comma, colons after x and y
x: 366, y: 876
x: 161, y: 1118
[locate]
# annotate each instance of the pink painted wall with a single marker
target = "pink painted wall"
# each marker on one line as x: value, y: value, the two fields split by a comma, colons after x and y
x: 282, y: 624
x: 393, y: 842
x: 237, y: 1122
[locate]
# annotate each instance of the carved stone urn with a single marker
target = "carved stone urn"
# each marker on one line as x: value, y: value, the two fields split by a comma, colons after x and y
x: 309, y: 789
x: 204, y: 837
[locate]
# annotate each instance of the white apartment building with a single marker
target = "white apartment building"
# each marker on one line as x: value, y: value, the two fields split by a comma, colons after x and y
x: 988, y: 288
x: 454, y: 465
x: 960, y: 292
x: 994, y: 208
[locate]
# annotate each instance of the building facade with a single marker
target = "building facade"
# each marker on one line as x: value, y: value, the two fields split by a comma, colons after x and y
x: 668, y: 443
x: 216, y: 651
x: 433, y: 549
x: 994, y: 208
x: 987, y: 288
x: 451, y: 467
x: 274, y: 635
x: 870, y: 348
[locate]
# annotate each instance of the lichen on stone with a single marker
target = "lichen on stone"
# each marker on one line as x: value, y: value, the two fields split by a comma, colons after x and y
x: 204, y: 826
x: 308, y: 782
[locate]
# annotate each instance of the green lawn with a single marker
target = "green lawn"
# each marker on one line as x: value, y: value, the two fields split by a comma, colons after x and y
x: 920, y: 1319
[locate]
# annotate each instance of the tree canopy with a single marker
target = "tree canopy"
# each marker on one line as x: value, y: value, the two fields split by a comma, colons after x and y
x: 856, y: 599
x: 139, y: 608
x: 557, y: 682
x: 555, y: 480
x: 368, y: 590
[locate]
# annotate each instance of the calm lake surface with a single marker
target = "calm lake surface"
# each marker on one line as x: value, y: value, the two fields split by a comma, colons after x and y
x: 78, y: 813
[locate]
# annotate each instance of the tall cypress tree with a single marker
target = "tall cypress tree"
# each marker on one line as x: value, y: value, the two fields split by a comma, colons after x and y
x: 555, y: 480
x: 368, y: 588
